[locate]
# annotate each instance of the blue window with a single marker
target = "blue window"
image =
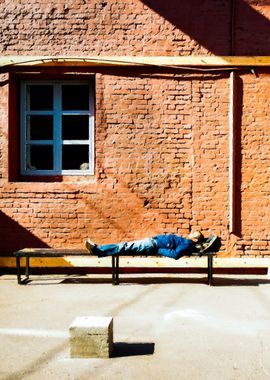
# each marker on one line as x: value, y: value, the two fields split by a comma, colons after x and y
x: 57, y: 127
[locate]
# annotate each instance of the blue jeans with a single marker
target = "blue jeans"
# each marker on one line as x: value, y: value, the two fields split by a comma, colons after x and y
x: 145, y: 246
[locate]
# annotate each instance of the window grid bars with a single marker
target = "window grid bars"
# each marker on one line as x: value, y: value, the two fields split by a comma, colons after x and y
x: 57, y: 143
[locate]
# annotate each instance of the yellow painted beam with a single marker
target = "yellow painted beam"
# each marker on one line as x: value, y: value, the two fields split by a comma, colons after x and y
x: 163, y: 61
x: 36, y: 262
x: 141, y: 262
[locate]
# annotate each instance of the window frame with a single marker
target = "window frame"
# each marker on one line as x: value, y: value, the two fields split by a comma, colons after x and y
x: 57, y: 142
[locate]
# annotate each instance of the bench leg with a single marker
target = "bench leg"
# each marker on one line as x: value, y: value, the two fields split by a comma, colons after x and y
x: 115, y: 270
x: 27, y: 267
x: 210, y: 270
x: 18, y: 265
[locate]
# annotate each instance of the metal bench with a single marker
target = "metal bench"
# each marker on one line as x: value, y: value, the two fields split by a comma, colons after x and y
x: 209, y: 255
x: 27, y: 253
x: 41, y: 253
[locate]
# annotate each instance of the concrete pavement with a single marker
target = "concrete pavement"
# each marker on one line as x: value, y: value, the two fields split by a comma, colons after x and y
x: 167, y: 327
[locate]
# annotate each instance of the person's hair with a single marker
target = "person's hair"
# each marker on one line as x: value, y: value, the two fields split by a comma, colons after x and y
x: 196, y: 236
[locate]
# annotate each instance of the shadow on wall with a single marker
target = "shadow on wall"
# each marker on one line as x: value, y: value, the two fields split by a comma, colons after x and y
x: 14, y: 237
x: 224, y: 27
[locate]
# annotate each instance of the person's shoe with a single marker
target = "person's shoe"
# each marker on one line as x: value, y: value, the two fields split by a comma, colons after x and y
x: 89, y: 245
x: 199, y: 247
x: 212, y: 243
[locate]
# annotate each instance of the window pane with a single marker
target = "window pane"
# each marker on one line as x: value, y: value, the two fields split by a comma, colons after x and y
x: 41, y: 98
x: 75, y: 97
x: 40, y: 157
x: 75, y: 157
x: 40, y: 127
x: 75, y: 127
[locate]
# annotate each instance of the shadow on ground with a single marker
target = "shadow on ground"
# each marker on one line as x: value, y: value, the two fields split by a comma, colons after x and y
x: 218, y: 281
x: 225, y: 281
x: 132, y: 349
x: 126, y: 281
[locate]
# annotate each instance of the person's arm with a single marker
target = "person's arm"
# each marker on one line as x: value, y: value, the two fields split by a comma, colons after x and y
x: 186, y: 247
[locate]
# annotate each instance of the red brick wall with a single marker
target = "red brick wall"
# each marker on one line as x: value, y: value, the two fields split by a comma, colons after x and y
x: 114, y: 27
x: 255, y: 184
x: 161, y: 136
x: 210, y: 123
x: 134, y: 27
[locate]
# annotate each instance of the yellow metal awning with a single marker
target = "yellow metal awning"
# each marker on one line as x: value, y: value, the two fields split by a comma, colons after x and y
x: 135, y: 61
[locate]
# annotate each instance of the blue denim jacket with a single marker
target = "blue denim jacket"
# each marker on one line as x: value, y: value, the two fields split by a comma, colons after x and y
x: 174, y: 246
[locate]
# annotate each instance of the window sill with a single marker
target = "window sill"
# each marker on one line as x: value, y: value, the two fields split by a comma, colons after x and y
x: 59, y: 184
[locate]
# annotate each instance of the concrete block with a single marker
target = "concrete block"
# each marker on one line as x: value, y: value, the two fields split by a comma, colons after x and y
x: 91, y: 337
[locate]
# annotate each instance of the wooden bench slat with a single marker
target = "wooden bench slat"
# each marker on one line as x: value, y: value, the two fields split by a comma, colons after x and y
x: 51, y: 252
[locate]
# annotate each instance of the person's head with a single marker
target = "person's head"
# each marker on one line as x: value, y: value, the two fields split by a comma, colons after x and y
x: 196, y: 236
